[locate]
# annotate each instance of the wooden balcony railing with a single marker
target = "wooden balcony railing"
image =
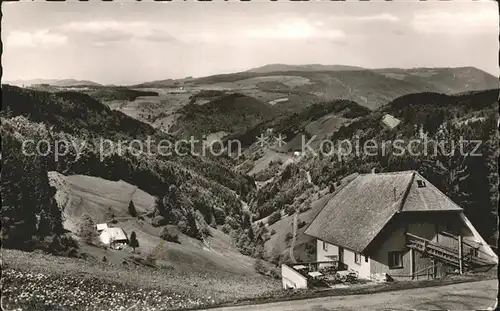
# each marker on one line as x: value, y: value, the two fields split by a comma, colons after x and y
x: 453, y: 257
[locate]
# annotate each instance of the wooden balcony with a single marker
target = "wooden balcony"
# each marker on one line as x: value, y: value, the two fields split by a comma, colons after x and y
x: 447, y: 255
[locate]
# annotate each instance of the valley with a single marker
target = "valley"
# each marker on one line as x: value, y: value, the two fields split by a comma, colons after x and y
x: 215, y: 229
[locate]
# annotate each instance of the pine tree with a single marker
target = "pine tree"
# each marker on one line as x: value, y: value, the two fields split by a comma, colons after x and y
x: 86, y: 229
x: 251, y: 234
x: 109, y: 214
x: 192, y: 229
x: 159, y: 207
x: 247, y: 222
x: 131, y: 209
x: 332, y: 186
x: 133, y: 241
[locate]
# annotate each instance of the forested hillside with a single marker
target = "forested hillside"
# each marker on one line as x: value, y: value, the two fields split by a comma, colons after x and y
x: 29, y: 210
x: 228, y: 113
x: 471, y: 180
x: 205, y: 192
x: 196, y: 193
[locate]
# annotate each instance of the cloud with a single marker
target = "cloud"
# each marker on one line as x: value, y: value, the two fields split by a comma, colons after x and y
x: 296, y: 29
x: 384, y: 17
x: 103, y: 32
x: 40, y: 38
x: 475, y: 21
x: 363, y: 19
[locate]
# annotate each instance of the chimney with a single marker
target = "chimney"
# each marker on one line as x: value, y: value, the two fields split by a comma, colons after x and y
x: 394, y: 191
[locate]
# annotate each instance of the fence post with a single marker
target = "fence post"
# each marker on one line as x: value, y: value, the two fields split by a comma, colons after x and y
x: 460, y: 254
x: 412, y: 263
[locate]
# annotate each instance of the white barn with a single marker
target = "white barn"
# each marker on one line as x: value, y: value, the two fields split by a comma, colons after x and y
x: 101, y: 227
x: 113, y: 236
x: 390, y: 121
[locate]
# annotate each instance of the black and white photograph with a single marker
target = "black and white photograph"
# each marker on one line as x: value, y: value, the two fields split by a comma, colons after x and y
x: 249, y: 155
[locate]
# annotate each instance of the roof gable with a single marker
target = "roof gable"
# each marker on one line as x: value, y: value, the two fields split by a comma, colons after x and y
x: 101, y: 226
x: 359, y: 211
x: 115, y: 234
x: 427, y: 198
x: 390, y: 121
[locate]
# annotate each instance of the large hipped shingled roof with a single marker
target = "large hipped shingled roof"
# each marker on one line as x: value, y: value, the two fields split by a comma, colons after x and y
x: 355, y: 216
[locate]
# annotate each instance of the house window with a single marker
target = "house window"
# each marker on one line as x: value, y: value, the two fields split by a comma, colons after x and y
x: 474, y: 252
x: 395, y: 259
x: 366, y: 258
x: 357, y: 258
x: 325, y: 246
x: 421, y: 183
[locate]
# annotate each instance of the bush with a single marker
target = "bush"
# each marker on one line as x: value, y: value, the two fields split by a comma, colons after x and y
x: 66, y: 241
x: 201, y: 228
x: 61, y: 245
x: 332, y: 187
x: 262, y: 269
x: 206, y: 231
x: 73, y: 253
x: 182, y: 226
x: 232, y: 222
x: 259, y: 266
x: 288, y: 236
x: 276, y: 259
x: 109, y: 214
x: 305, y: 208
x: 220, y: 215
x: 301, y: 224
x: 273, y: 232
x: 275, y: 273
x: 276, y: 216
x: 226, y: 229
x: 310, y: 248
x: 170, y: 233
x: 158, y: 221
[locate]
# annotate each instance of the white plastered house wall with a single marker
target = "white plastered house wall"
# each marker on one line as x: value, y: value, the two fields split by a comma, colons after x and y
x: 110, y: 235
x: 354, y: 261
x: 101, y: 227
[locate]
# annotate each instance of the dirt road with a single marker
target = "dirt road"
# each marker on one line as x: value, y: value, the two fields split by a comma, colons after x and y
x: 464, y: 296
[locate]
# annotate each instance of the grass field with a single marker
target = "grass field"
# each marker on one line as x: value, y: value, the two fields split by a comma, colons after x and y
x: 35, y: 281
x: 180, y: 275
x: 95, y: 196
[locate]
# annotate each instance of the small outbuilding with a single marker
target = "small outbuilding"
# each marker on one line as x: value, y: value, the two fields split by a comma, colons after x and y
x: 101, y: 227
x: 390, y: 121
x: 115, y: 237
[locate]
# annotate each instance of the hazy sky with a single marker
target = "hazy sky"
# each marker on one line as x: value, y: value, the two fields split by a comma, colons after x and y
x: 126, y: 43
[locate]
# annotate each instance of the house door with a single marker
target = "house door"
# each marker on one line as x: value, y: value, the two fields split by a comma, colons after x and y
x: 341, y: 254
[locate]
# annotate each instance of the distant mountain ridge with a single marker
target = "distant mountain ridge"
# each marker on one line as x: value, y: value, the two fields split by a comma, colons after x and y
x: 306, y: 67
x: 372, y: 88
x: 53, y: 82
